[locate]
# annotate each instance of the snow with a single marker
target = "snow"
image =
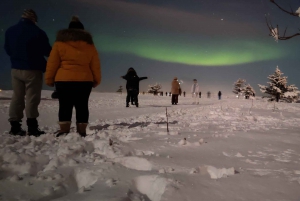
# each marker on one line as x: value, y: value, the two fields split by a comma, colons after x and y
x: 239, y: 148
x: 275, y: 34
x: 298, y: 11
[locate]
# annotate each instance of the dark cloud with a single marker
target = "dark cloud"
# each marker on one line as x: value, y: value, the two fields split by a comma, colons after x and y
x: 174, y: 20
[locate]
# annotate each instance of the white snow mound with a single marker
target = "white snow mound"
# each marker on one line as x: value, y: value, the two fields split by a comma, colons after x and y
x: 135, y: 163
x: 216, y: 173
x: 153, y: 186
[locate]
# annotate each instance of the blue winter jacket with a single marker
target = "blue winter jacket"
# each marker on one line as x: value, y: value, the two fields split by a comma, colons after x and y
x: 27, y: 45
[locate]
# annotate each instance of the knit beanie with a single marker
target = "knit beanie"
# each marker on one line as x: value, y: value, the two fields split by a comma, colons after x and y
x: 30, y: 14
x: 75, y: 23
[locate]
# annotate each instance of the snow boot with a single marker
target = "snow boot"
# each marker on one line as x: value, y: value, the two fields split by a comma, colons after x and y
x: 33, y: 127
x: 127, y: 104
x: 16, y: 129
x: 64, y: 128
x: 137, y: 104
x: 81, y: 129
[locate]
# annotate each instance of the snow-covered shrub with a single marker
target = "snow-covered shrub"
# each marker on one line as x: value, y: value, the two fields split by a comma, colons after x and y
x: 154, y: 89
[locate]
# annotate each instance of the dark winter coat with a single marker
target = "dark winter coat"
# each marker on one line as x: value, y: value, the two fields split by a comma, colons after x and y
x: 27, y: 45
x: 133, y: 81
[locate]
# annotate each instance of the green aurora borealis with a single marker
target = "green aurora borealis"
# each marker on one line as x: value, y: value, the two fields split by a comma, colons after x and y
x: 216, y: 53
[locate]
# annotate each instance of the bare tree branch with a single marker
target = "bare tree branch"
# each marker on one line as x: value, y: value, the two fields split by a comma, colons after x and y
x: 273, y: 31
x: 291, y: 13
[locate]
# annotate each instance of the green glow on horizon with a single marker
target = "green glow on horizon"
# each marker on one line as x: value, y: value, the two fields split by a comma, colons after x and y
x: 207, y: 53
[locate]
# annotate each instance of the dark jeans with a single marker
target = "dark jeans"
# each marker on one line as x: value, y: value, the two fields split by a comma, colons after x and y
x: 174, y: 98
x: 73, y: 94
x: 132, y: 96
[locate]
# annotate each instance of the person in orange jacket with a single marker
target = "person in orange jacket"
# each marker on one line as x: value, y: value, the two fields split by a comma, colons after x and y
x: 74, y: 68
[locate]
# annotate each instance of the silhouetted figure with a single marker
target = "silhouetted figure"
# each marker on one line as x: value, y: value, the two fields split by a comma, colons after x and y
x: 132, y: 86
x: 170, y: 94
x: 277, y: 97
x: 219, y: 95
x: 166, y: 93
x: 184, y: 94
x: 195, y: 90
x: 208, y: 94
x: 175, y: 91
x: 200, y: 94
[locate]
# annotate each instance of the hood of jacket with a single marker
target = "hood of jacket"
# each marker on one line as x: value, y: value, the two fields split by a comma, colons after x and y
x: 74, y: 35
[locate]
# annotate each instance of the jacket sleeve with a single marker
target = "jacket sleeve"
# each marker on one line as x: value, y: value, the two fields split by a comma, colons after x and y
x: 45, y: 45
x: 52, y: 65
x: 6, y: 45
x: 143, y: 78
x: 95, y: 66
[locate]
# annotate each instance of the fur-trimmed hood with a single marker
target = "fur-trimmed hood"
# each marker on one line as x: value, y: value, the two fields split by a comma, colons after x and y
x: 74, y: 35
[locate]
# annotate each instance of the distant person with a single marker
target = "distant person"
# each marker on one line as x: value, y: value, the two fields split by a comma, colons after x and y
x: 132, y: 86
x: 219, y: 95
x: 195, y: 90
x: 170, y: 93
x: 208, y: 94
x: 74, y: 68
x: 175, y: 91
x: 166, y: 93
x: 26, y: 45
x: 184, y: 94
x: 200, y: 94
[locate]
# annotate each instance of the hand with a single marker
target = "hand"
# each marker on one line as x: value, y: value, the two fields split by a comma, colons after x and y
x: 95, y: 84
x: 50, y: 84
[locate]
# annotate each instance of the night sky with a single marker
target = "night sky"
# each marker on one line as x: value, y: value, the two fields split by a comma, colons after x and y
x: 214, y: 41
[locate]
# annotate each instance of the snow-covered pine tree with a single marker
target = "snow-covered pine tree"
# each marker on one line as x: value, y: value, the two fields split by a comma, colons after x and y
x: 292, y: 94
x: 248, y: 91
x: 278, y: 87
x: 238, y: 87
x: 154, y: 89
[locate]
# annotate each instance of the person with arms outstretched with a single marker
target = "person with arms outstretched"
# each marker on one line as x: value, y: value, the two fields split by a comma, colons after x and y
x: 132, y: 86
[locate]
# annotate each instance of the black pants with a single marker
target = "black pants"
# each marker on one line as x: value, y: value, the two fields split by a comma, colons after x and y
x: 174, y: 98
x: 74, y: 94
x: 132, y: 96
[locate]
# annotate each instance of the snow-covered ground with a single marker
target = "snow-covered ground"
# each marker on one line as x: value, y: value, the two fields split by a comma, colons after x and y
x: 227, y: 150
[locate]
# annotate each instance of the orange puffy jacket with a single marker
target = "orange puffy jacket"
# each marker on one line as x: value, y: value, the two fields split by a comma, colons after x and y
x: 73, y: 58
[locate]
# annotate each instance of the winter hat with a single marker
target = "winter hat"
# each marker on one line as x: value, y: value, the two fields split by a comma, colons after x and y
x: 30, y: 14
x: 194, y: 79
x: 75, y: 23
x: 175, y: 78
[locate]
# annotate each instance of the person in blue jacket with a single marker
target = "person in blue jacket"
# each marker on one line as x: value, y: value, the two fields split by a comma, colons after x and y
x: 132, y: 86
x: 27, y: 46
